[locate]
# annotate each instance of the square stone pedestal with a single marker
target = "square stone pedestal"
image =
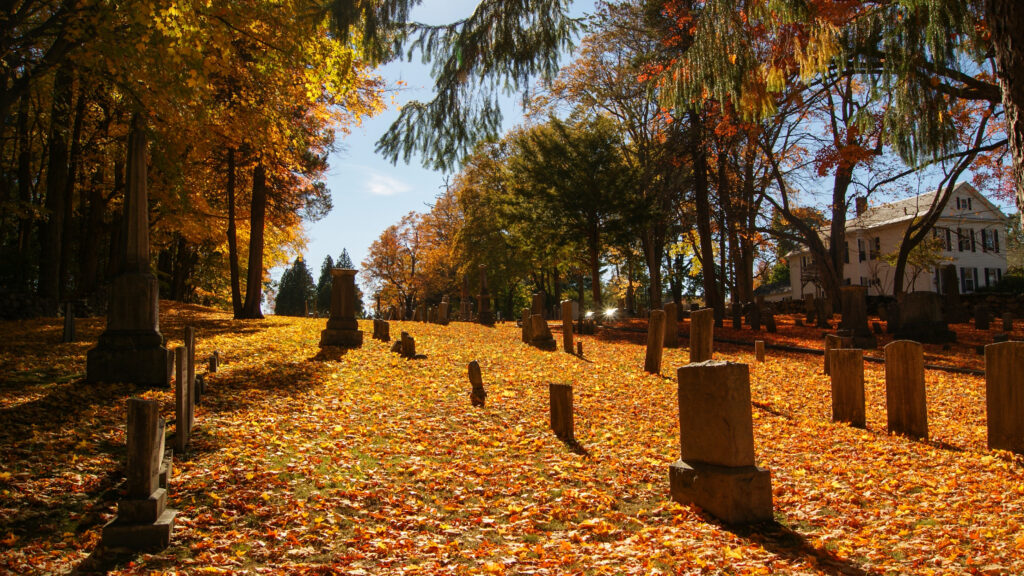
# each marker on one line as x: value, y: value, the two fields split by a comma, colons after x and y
x: 341, y: 338
x: 156, y: 535
x: 733, y: 494
x: 126, y: 356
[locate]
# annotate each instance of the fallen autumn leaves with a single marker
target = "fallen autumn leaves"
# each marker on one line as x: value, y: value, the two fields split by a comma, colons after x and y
x: 373, y: 464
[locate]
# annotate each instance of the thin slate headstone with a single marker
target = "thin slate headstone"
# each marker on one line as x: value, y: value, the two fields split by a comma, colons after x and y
x: 540, y: 334
x: 537, y: 304
x: 478, y: 396
x: 759, y: 350
x: 702, y: 326
x: 561, y: 412
x: 408, y: 346
x: 905, y: 401
x: 769, y: 322
x: 717, y: 470
x: 847, y: 372
x: 920, y: 317
x: 671, y: 325
x: 214, y: 362
x: 655, y: 341
x: 567, y: 335
x: 1004, y: 396
x: 190, y: 347
x: 182, y: 400
x: 527, y: 325
x: 1007, y: 322
x: 443, y: 312
x: 832, y: 342
x: 982, y: 317
x: 952, y: 309
x: 579, y: 348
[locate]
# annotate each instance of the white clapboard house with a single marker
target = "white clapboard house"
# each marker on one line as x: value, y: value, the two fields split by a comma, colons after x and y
x: 972, y: 230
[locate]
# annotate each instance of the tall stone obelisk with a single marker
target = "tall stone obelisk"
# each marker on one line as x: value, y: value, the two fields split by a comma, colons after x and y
x: 342, y: 328
x: 485, y: 316
x: 132, y: 348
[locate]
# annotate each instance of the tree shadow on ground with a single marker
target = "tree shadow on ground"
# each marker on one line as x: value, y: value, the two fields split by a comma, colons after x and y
x: 786, y: 543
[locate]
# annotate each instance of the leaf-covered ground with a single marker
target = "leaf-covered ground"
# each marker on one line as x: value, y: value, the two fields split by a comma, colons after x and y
x: 371, y: 464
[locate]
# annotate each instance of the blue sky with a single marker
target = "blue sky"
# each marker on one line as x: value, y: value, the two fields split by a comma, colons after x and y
x: 370, y: 193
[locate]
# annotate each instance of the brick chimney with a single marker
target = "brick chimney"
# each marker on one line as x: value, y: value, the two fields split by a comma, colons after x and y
x: 862, y: 205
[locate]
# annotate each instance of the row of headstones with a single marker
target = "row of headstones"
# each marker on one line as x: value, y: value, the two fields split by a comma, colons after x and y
x: 143, y: 520
x: 906, y: 409
x: 440, y: 315
x: 716, y: 470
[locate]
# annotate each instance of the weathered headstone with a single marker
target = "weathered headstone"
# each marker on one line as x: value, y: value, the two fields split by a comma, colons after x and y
x: 671, y: 325
x: 421, y: 312
x: 408, y: 345
x: 755, y: 314
x: 809, y: 308
x: 527, y: 326
x: 537, y: 303
x: 442, y: 312
x: 485, y: 316
x: 855, y: 315
x: 143, y: 520
x: 846, y: 369
x: 833, y: 342
x: 183, y: 401
x: 190, y: 350
x: 702, y: 325
x: 655, y: 341
x: 69, y: 322
x: 561, y: 412
x: 465, y: 313
x: 1007, y: 322
x: 214, y: 362
x: 199, y: 389
x: 737, y: 317
x: 905, y: 402
x: 540, y: 334
x: 821, y: 313
x: 769, y: 322
x: 893, y: 310
x: 921, y: 319
x: 131, y: 349
x: 579, y: 348
x: 567, y: 335
x: 982, y: 317
x: 342, y: 329
x: 1004, y: 396
x: 952, y: 309
x: 717, y: 470
x: 478, y: 395
x: 759, y: 350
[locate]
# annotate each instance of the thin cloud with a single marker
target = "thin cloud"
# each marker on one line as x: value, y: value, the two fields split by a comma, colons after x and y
x: 383, y: 185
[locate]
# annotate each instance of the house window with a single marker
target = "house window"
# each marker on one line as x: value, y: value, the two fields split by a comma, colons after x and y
x: 990, y: 240
x: 963, y: 203
x: 949, y: 240
x: 847, y: 281
x: 960, y: 239
x: 968, y: 279
x: 993, y: 276
x: 861, y: 256
x: 876, y: 248
x: 864, y: 281
x: 974, y: 244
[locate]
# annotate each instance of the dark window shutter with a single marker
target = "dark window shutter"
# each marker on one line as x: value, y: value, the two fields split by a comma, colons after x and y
x: 995, y: 241
x: 963, y: 280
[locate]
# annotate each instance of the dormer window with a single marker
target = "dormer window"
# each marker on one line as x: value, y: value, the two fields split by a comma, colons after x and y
x: 963, y: 203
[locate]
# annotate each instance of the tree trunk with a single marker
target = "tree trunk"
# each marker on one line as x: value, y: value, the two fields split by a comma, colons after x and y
x: 257, y: 222
x: 68, y: 234
x: 703, y: 205
x: 88, y: 265
x: 1005, y: 20
x: 594, y: 249
x: 24, y: 184
x: 236, y: 290
x: 52, y: 227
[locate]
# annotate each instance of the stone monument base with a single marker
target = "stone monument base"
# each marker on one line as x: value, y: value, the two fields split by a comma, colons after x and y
x: 865, y: 341
x: 138, y: 357
x: 486, y: 317
x: 140, y: 536
x: 735, y: 495
x: 341, y: 338
x: 547, y: 344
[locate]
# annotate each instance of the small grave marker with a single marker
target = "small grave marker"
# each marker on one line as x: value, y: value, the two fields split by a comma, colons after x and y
x: 905, y: 405
x: 982, y: 317
x: 69, y: 322
x: 478, y: 395
x: 655, y: 341
x: 1004, y: 396
x: 567, y: 335
x: 182, y: 400
x: 759, y: 350
x: 671, y: 325
x: 832, y: 342
x: 561, y: 412
x: 540, y: 334
x: 702, y: 325
x: 846, y: 369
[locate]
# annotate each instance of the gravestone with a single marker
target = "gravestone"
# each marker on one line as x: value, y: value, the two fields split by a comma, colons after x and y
x: 671, y: 325
x: 717, y: 470
x: 131, y: 349
x: 755, y: 314
x: 769, y: 322
x: 477, y: 395
x: 485, y: 316
x: 567, y: 335
x: 737, y: 318
x: 855, y: 315
x: 847, y: 372
x: 893, y: 310
x: 190, y: 350
x: 655, y: 341
x: 832, y: 342
x: 69, y: 322
x: 527, y: 325
x: 952, y: 309
x: 1004, y: 396
x: 809, y: 308
x: 759, y: 350
x: 982, y: 317
x: 905, y: 402
x: 537, y: 303
x: 465, y: 313
x: 442, y: 312
x: 214, y: 362
x: 408, y: 348
x: 540, y: 334
x: 579, y: 348
x: 143, y: 520
x: 199, y: 389
x: 421, y: 312
x: 342, y: 329
x: 183, y: 401
x: 921, y: 319
x: 702, y: 326
x: 1007, y: 322
x: 561, y: 412
x: 822, y: 314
